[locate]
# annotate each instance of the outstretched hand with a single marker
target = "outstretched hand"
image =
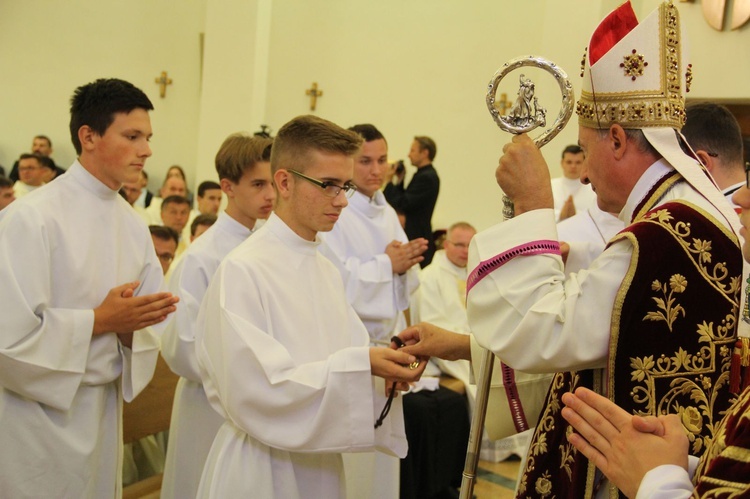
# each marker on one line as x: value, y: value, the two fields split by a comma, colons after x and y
x: 624, y: 447
x: 428, y: 340
x: 523, y: 175
x: 122, y: 312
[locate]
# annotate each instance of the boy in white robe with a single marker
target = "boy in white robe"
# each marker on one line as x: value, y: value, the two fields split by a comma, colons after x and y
x: 244, y: 169
x: 80, y: 291
x: 379, y: 266
x: 283, y: 357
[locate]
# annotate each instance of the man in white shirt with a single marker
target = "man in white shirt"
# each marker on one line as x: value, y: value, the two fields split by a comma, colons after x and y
x: 175, y: 212
x: 207, y: 201
x: 81, y: 290
x: 569, y: 193
x: 31, y: 174
x: 244, y: 169
x: 283, y: 357
x: 379, y: 268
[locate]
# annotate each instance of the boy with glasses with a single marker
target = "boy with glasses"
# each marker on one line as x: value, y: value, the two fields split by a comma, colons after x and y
x: 283, y: 357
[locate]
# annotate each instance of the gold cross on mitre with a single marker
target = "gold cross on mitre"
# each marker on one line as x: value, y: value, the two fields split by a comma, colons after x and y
x: 313, y: 93
x: 163, y: 81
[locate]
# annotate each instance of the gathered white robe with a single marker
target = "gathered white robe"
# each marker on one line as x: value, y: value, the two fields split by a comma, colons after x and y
x: 285, y: 360
x: 356, y: 246
x: 194, y: 422
x: 62, y: 248
x: 584, y: 196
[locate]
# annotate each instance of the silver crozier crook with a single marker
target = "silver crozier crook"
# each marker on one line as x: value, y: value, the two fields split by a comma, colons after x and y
x: 524, y: 115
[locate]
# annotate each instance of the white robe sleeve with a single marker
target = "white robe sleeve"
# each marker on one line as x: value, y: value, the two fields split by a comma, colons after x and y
x: 529, y: 314
x: 189, y: 282
x: 43, y: 350
x: 254, y: 381
x: 139, y: 362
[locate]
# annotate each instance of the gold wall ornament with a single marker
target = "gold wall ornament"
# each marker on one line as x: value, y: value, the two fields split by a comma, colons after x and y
x: 163, y: 81
x: 314, y: 93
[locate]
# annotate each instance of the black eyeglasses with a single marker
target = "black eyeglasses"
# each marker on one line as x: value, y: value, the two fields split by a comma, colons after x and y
x: 329, y: 188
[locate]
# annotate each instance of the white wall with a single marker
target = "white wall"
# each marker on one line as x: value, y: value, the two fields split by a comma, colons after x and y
x: 411, y: 67
x: 48, y: 48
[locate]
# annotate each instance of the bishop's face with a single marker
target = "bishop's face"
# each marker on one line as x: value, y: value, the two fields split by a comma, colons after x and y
x: 370, y: 166
x: 311, y: 210
x: 119, y: 155
x: 600, y: 170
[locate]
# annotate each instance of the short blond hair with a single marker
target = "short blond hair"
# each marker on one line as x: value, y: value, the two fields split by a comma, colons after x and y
x: 304, y: 134
x: 240, y: 152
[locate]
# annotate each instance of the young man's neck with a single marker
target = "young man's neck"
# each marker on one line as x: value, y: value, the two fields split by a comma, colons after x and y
x: 235, y: 214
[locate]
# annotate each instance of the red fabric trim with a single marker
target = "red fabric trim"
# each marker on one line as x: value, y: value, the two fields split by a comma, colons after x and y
x: 611, y: 30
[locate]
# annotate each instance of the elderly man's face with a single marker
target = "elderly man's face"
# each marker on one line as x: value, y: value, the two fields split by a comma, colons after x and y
x: 600, y: 171
x: 457, y: 245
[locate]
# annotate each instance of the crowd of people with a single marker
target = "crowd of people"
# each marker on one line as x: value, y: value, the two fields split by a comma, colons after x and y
x: 296, y: 297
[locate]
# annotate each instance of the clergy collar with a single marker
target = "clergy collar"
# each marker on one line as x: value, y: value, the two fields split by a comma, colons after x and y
x: 233, y: 226
x: 371, y: 207
x: 84, y: 178
x: 290, y: 238
x: 650, y: 177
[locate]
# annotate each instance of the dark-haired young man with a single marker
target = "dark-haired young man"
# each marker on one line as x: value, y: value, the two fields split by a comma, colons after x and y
x: 209, y: 198
x: 715, y: 136
x: 569, y: 193
x: 81, y: 290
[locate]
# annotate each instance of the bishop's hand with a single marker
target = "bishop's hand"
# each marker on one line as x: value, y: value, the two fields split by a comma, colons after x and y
x: 523, y: 175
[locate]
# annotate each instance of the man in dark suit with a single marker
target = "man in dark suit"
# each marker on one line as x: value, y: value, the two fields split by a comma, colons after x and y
x: 417, y: 201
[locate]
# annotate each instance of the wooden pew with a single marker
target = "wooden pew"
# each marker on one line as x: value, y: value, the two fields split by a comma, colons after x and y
x: 148, y: 414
